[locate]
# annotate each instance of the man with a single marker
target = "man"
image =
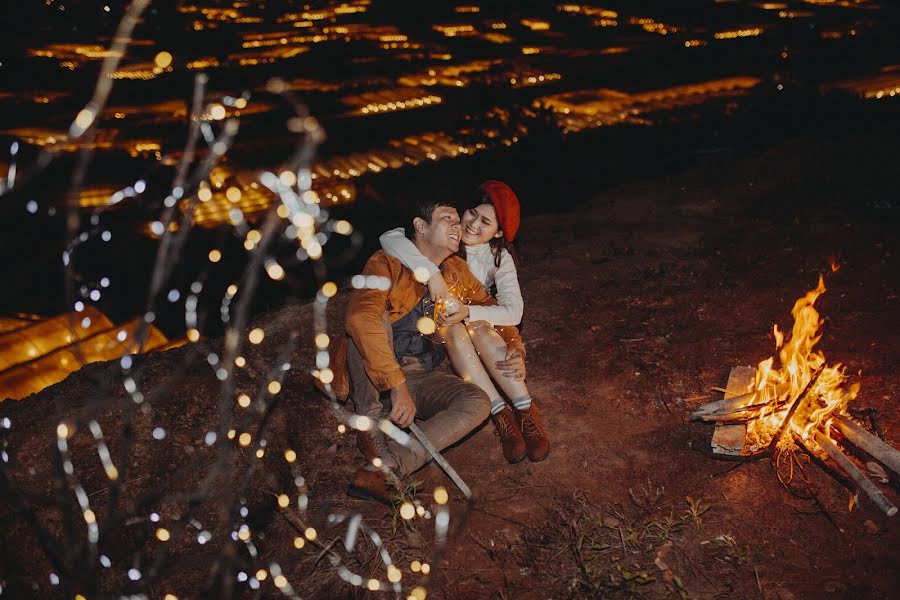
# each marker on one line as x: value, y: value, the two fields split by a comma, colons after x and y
x: 392, y: 365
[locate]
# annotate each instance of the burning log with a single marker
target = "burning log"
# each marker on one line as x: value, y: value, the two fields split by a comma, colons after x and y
x: 855, y: 474
x: 731, y: 407
x: 867, y: 442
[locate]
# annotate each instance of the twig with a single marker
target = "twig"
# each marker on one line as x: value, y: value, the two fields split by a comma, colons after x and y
x: 325, y: 550
x: 730, y: 469
x: 107, y: 488
x: 695, y: 398
x: 822, y: 509
x: 663, y: 399
x: 502, y: 518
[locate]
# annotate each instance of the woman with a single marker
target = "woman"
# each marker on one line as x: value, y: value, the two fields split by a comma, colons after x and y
x: 477, y: 351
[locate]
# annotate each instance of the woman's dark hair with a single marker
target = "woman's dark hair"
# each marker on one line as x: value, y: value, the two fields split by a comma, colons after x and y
x: 497, y: 244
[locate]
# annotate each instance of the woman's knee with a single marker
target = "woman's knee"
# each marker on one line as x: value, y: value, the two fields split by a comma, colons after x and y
x: 487, y: 341
x: 484, y: 332
x: 454, y: 333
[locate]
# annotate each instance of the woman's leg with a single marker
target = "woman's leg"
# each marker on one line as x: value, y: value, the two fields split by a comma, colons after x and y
x: 492, y: 348
x: 466, y: 362
x: 470, y: 367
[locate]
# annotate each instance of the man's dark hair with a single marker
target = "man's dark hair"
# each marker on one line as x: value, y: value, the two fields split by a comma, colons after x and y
x: 424, y: 209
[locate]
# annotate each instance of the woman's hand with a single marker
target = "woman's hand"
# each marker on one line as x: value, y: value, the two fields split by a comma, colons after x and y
x: 514, y: 364
x: 437, y: 287
x: 447, y: 318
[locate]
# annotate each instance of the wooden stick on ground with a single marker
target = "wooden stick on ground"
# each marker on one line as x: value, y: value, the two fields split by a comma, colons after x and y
x: 855, y: 474
x: 867, y: 442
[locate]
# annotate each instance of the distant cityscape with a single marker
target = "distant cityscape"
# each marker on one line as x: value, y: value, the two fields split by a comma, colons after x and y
x: 395, y: 89
x: 494, y: 67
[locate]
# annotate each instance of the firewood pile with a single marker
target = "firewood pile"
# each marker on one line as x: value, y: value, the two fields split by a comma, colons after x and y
x: 799, y: 406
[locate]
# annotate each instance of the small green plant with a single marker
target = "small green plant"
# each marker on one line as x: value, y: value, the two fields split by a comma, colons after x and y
x: 679, y: 587
x: 695, y: 510
x: 727, y: 542
x: 638, y: 575
x: 664, y: 529
x: 405, y: 490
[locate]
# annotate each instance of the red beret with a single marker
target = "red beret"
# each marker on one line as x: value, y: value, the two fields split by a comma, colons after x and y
x: 506, y: 204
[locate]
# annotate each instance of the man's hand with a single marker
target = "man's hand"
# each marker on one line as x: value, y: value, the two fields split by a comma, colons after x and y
x: 403, y: 409
x: 452, y: 318
x: 437, y: 287
x: 514, y: 364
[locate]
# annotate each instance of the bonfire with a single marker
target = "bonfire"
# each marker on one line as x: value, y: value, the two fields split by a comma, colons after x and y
x: 798, y: 404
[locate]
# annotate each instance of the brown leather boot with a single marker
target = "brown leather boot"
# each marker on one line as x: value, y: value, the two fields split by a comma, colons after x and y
x: 510, y: 436
x: 371, y: 444
x: 370, y: 485
x: 532, y: 426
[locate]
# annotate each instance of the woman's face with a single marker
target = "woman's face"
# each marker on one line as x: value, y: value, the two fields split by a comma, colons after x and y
x: 479, y: 225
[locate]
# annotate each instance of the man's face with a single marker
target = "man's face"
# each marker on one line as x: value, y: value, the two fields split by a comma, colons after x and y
x: 444, y: 231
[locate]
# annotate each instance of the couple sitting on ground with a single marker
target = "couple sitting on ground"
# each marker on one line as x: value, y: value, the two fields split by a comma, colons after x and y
x: 398, y: 338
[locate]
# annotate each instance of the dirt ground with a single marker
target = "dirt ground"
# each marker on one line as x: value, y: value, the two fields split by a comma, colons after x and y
x: 637, y: 304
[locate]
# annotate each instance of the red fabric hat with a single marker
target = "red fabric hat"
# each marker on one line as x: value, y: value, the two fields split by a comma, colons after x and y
x: 506, y: 204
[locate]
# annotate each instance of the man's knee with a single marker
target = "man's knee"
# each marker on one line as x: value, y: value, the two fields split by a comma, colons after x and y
x: 474, y: 401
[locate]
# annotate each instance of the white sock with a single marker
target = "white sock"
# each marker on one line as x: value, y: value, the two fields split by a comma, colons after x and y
x: 523, y: 403
x: 497, y: 405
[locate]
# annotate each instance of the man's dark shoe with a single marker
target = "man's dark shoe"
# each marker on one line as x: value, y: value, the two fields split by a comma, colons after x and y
x: 510, y: 436
x: 370, y: 485
x: 371, y: 445
x: 532, y: 425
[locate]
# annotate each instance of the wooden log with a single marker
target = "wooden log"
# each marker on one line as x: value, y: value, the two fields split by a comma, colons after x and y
x: 858, y: 477
x: 724, y: 405
x: 729, y: 439
x: 732, y: 402
x: 744, y: 413
x: 868, y: 443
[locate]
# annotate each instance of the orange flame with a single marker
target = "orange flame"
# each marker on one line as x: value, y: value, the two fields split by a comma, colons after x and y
x: 835, y: 264
x: 778, y: 388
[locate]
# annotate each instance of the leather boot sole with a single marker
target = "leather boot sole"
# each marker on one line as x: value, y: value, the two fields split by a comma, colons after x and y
x: 361, y: 493
x: 539, y: 459
x: 515, y: 461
